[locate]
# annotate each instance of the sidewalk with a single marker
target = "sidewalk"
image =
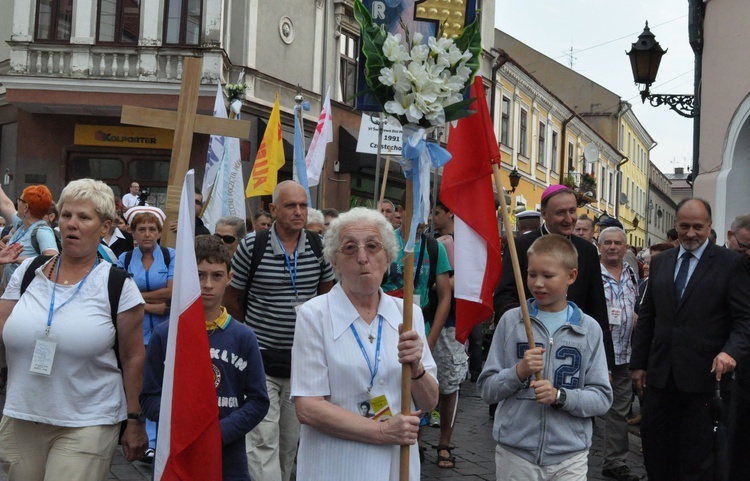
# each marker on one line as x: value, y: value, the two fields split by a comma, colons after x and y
x: 472, y: 437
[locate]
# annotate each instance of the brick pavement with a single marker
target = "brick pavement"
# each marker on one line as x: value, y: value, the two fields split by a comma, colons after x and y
x: 474, y: 448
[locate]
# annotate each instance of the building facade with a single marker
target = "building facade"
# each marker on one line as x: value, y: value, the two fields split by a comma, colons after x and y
x: 660, y: 207
x: 67, y: 68
x: 610, y: 117
x: 546, y: 142
x: 724, y: 167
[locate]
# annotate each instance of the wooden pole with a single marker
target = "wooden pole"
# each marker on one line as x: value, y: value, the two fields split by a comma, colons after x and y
x: 408, y: 313
x: 385, y: 181
x: 514, y: 259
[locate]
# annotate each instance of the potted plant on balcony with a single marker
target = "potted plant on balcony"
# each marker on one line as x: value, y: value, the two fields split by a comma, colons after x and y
x: 588, y: 183
x: 570, y: 182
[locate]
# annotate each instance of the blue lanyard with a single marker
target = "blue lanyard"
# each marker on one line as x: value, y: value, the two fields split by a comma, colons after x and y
x: 373, y: 372
x: 292, y: 273
x: 612, y: 289
x: 18, y: 235
x: 54, y: 289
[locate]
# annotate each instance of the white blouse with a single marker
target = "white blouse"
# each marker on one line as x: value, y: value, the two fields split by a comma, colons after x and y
x: 327, y: 361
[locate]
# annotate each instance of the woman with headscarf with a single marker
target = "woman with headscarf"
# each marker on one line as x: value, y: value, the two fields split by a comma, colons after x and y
x: 152, y: 268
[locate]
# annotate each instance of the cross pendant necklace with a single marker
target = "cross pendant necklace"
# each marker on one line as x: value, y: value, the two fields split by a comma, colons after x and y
x: 370, y: 337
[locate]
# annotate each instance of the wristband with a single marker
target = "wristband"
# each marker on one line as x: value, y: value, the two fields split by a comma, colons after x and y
x: 421, y: 375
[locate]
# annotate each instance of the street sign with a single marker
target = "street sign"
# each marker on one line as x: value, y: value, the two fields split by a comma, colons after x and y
x: 368, y: 137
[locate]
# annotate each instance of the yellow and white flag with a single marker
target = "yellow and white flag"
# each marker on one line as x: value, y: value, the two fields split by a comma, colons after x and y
x: 270, y: 157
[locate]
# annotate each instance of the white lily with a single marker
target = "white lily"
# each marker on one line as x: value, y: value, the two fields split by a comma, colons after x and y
x: 393, y: 50
x: 395, y: 77
x: 440, y: 45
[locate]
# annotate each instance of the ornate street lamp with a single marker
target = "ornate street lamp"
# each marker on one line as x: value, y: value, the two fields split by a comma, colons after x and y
x: 645, y: 57
x: 515, y: 178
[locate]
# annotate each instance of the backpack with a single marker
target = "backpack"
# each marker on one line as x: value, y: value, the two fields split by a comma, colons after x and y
x: 259, y: 248
x: 431, y: 244
x: 35, y: 242
x: 115, y: 284
x: 164, y: 252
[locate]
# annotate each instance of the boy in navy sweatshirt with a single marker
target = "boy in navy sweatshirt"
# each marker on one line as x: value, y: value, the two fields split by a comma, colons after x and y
x: 238, y: 369
x: 544, y: 428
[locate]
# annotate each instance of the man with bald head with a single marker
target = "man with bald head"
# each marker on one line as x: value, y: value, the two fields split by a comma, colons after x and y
x: 693, y: 328
x: 289, y: 274
x: 559, y: 213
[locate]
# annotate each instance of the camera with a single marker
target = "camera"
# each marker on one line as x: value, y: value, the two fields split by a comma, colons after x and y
x: 143, y: 196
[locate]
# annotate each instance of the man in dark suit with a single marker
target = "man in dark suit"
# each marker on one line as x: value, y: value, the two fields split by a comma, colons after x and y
x: 559, y: 212
x: 693, y: 328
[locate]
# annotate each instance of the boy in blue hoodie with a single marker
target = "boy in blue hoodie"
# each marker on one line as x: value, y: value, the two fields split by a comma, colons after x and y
x: 544, y: 428
x: 239, y: 377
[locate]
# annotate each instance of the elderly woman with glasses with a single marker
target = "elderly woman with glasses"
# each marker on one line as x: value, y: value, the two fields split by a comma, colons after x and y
x: 346, y: 362
x: 231, y: 230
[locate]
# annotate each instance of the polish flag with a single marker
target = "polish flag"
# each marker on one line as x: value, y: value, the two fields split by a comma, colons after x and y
x: 316, y: 156
x: 189, y: 444
x: 467, y: 191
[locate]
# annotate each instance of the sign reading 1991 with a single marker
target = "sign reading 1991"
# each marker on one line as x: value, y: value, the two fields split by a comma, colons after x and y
x: 368, y: 137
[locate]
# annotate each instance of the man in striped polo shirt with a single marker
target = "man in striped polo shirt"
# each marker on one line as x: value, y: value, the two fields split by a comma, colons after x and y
x: 289, y: 274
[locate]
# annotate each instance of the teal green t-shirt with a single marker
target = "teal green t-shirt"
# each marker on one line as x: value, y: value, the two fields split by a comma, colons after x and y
x: 395, y: 274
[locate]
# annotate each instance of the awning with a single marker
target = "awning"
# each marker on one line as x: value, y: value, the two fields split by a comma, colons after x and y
x: 351, y: 161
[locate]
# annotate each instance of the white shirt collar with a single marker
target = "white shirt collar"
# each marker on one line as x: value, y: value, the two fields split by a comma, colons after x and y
x: 343, y: 313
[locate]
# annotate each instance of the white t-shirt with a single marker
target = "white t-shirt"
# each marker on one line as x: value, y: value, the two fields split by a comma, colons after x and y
x: 129, y: 200
x: 85, y: 387
x: 327, y: 361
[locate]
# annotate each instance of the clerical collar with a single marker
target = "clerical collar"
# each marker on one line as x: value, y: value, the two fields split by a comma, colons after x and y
x: 546, y: 231
x: 222, y: 322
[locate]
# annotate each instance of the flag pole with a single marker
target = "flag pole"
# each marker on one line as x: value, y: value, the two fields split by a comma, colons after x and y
x: 385, y: 180
x: 408, y: 312
x: 514, y: 259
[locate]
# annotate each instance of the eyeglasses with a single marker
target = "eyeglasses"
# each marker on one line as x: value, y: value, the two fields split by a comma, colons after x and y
x: 351, y: 248
x: 199, y: 202
x: 20, y: 200
x: 743, y: 247
x: 227, y: 239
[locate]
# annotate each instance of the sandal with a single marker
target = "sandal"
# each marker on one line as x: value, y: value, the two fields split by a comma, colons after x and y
x: 445, y: 459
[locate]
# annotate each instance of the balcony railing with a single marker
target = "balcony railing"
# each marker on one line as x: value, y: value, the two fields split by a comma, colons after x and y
x: 101, y: 62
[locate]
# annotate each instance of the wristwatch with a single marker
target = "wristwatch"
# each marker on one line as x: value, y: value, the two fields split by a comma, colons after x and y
x: 560, y: 399
x: 140, y: 417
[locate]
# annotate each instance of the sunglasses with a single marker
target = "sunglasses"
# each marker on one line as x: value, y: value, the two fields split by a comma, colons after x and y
x: 227, y: 239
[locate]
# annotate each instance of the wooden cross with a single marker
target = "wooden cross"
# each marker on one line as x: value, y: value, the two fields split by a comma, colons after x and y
x: 185, y: 122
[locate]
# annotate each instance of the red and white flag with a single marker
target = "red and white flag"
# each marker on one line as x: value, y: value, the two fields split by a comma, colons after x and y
x: 467, y: 191
x: 189, y: 444
x: 316, y: 156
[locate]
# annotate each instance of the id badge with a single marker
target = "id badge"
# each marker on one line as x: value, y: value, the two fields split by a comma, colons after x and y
x: 44, y: 353
x: 365, y: 408
x: 615, y: 316
x: 381, y: 408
